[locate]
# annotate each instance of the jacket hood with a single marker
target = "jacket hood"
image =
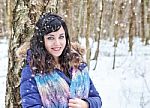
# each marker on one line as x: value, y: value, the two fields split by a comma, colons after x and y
x: 22, y: 51
x: 77, y: 53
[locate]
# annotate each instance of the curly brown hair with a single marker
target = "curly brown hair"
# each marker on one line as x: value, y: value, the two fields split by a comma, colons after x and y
x: 41, y: 60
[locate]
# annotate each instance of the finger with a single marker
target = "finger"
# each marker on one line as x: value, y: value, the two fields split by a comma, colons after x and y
x: 74, y: 105
x: 73, y: 101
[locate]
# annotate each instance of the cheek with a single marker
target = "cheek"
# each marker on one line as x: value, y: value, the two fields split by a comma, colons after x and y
x: 64, y: 42
x: 47, y: 45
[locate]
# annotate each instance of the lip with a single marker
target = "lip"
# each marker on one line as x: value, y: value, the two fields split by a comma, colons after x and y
x: 56, y: 48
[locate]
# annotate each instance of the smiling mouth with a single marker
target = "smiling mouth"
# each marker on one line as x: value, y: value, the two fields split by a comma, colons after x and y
x: 56, y: 49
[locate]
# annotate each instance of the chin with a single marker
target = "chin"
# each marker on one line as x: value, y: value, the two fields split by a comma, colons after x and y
x: 57, y: 55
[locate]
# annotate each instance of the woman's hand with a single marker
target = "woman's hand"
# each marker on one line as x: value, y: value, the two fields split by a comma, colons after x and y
x: 78, y: 103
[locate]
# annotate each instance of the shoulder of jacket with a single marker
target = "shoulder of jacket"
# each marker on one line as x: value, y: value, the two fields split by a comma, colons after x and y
x: 83, y: 66
x: 26, y: 72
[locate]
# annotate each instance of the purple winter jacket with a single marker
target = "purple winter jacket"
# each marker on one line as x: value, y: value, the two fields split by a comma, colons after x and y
x: 30, y: 95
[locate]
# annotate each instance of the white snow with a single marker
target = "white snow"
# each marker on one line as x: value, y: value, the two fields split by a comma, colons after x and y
x: 126, y: 86
x: 3, y: 69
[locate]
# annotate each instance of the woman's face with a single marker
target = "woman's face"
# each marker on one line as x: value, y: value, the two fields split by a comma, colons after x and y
x: 55, y: 42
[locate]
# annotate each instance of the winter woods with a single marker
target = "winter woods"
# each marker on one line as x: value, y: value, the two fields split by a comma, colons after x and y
x: 89, y: 19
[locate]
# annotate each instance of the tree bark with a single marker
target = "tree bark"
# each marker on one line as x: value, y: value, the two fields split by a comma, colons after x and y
x: 23, y: 20
x: 131, y: 25
x: 9, y: 16
x: 99, y: 34
x: 68, y: 16
x: 142, y: 21
x: 147, y: 24
x: 80, y: 19
x: 88, y: 32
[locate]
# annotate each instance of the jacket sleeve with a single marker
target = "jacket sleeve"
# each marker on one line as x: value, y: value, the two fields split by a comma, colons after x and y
x: 94, y: 99
x: 30, y: 96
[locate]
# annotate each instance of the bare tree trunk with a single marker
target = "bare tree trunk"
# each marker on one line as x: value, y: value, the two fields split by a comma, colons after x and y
x: 111, y: 28
x: 9, y: 16
x: 2, y: 18
x: 116, y: 29
x: 68, y: 17
x: 19, y: 33
x: 23, y: 20
x: 99, y: 32
x: 88, y: 32
x: 147, y: 24
x: 131, y: 25
x: 80, y: 26
x: 83, y: 19
x: 142, y: 21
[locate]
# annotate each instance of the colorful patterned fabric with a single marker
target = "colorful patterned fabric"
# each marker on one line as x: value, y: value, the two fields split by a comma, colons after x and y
x: 55, y: 91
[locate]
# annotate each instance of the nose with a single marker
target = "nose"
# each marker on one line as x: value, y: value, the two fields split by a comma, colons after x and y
x: 57, y: 42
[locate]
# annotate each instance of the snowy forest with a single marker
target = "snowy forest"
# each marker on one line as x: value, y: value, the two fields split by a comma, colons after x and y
x: 115, y: 33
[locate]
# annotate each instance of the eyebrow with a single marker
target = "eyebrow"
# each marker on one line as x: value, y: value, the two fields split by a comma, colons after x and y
x: 62, y: 33
x: 53, y: 35
x: 50, y: 35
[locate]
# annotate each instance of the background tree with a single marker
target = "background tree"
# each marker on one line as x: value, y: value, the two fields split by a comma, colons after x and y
x: 142, y: 20
x: 88, y: 32
x: 147, y: 20
x: 98, y: 31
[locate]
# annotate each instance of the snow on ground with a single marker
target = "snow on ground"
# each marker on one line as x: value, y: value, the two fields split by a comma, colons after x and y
x: 126, y: 86
x: 3, y: 69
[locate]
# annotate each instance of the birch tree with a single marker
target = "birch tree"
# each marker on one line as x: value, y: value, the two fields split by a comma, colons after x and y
x: 88, y: 32
x: 131, y: 24
x: 24, y: 15
x: 142, y: 21
x: 100, y: 7
x: 147, y: 20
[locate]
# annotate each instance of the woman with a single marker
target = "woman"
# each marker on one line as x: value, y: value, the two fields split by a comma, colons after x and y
x: 55, y: 75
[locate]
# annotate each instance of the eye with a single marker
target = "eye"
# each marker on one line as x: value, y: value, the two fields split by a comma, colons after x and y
x: 61, y: 37
x: 50, y: 38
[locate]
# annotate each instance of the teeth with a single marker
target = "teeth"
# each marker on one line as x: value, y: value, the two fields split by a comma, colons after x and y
x: 56, y: 49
